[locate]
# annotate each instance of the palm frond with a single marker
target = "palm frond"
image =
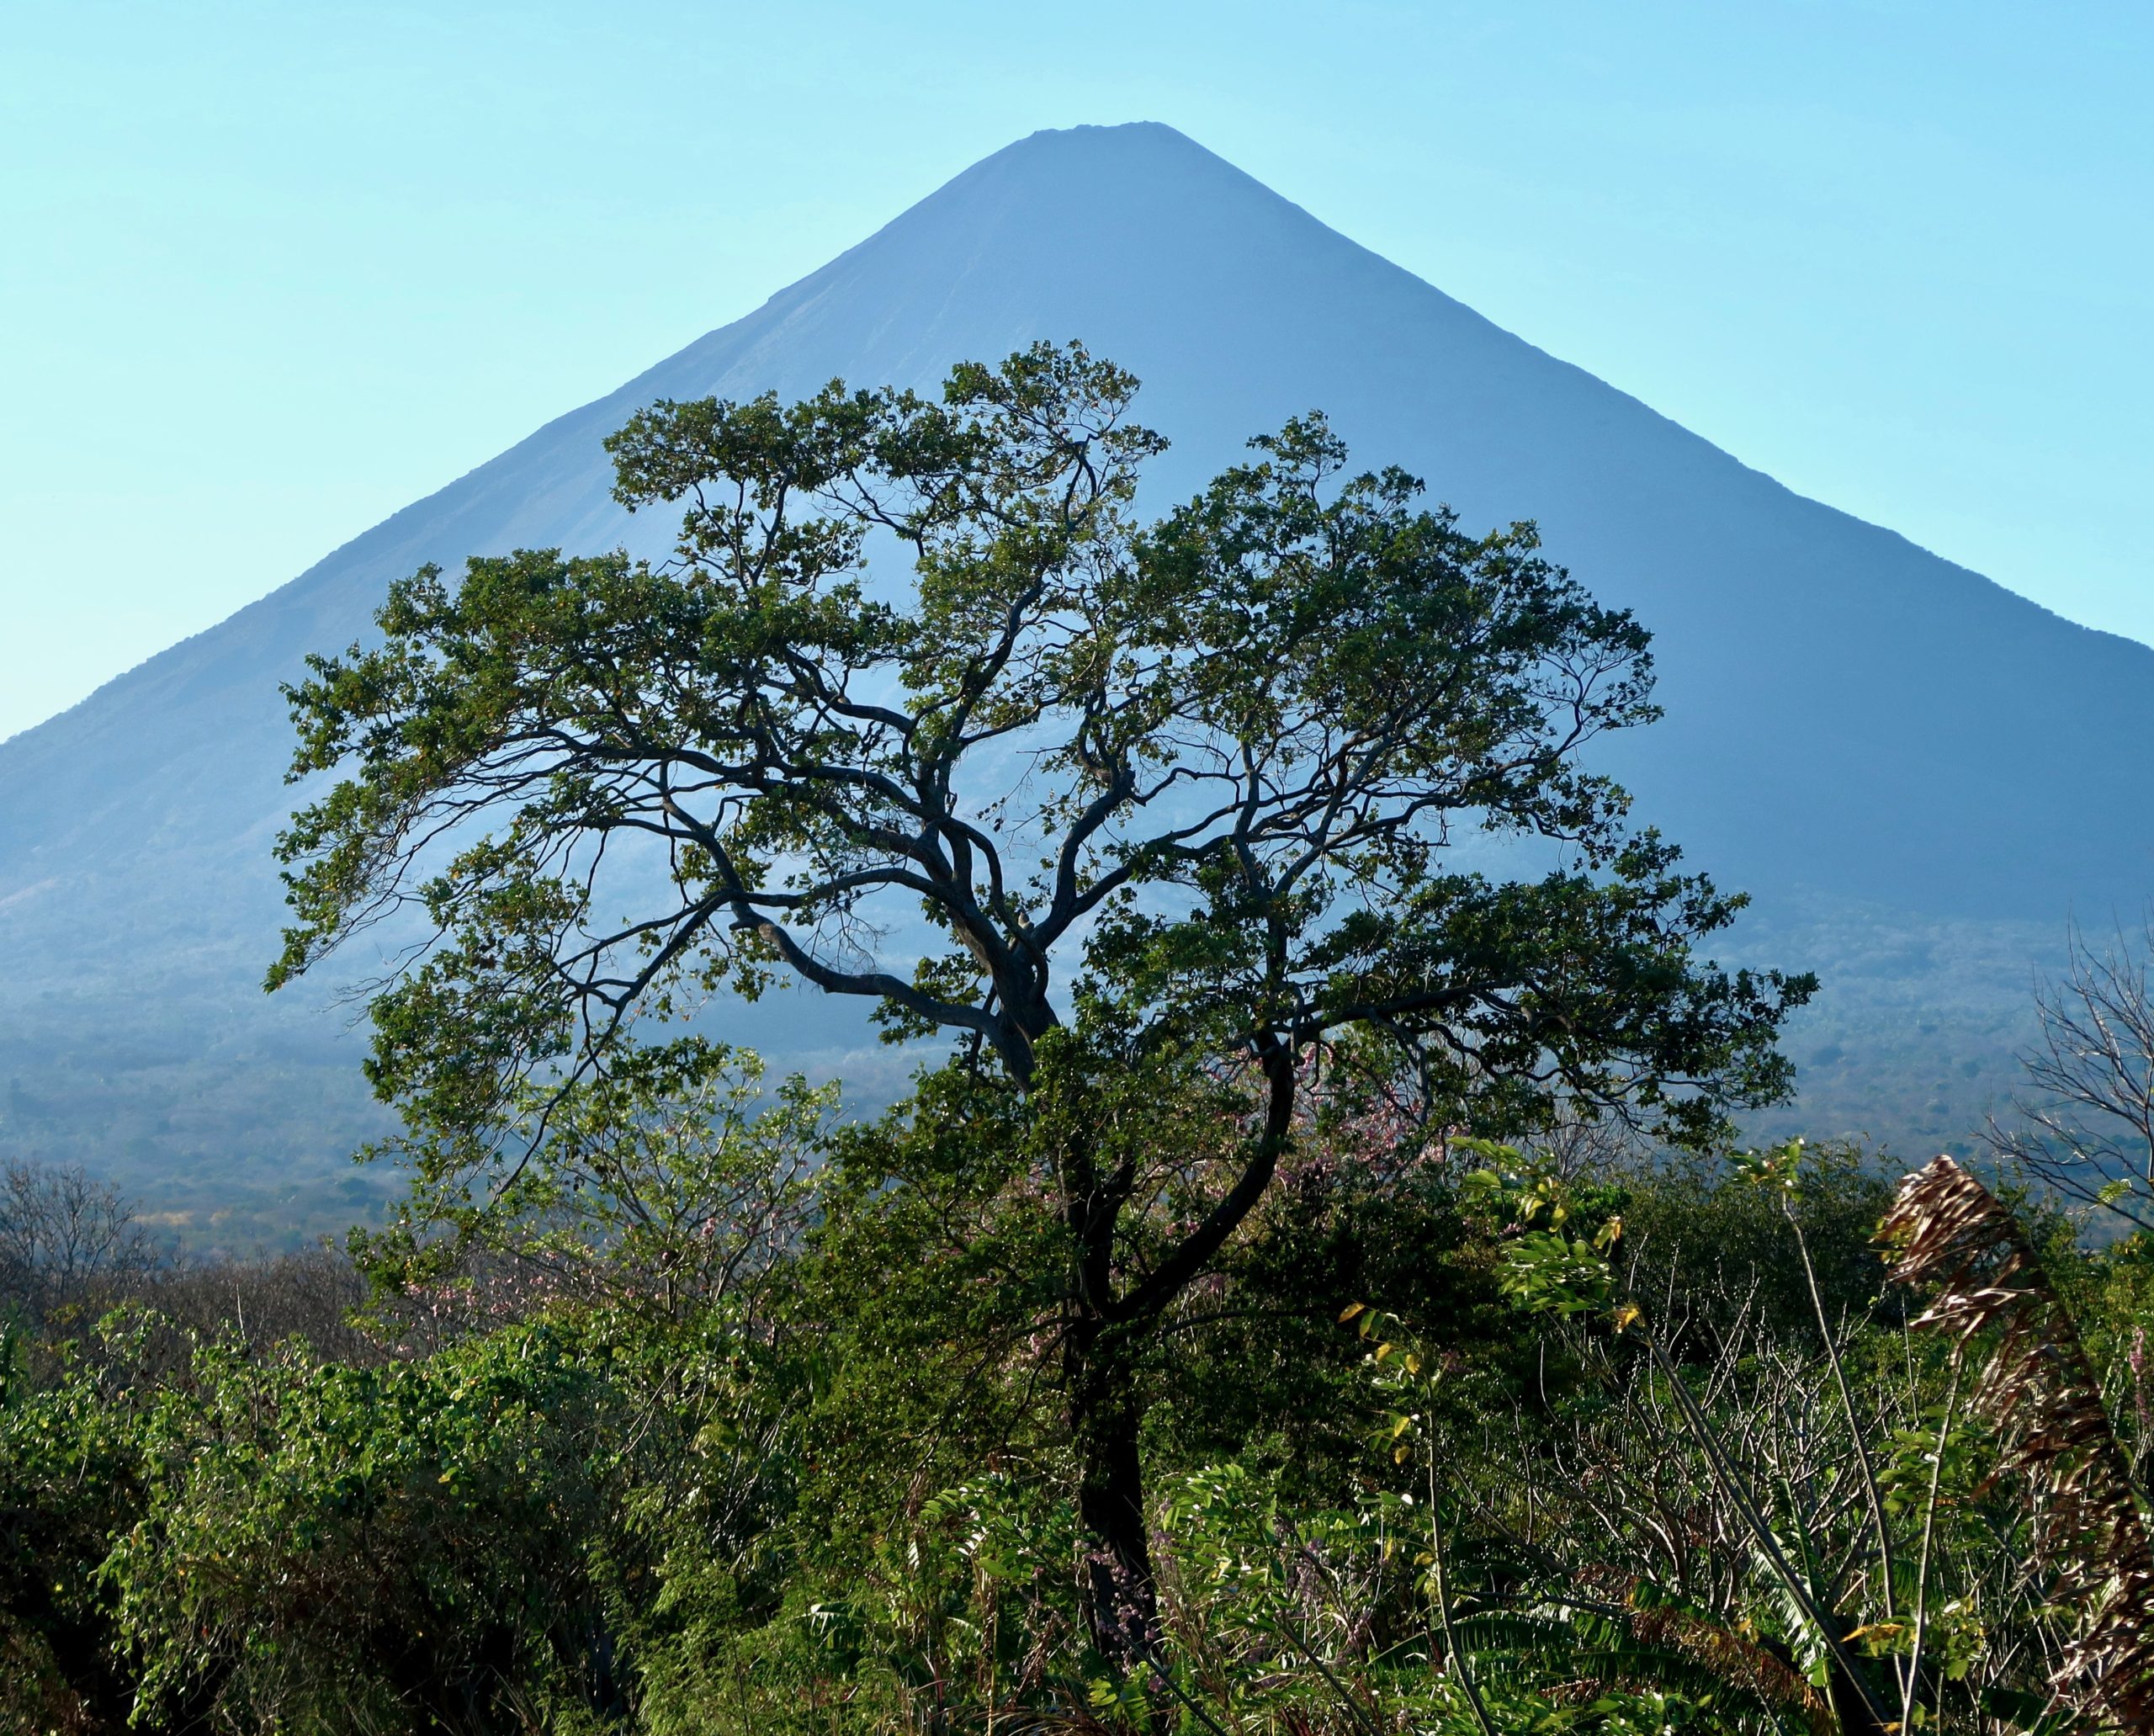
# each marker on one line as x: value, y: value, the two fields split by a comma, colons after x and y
x: 1649, y: 1639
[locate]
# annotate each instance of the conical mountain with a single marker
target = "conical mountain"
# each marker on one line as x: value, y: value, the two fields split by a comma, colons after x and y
x: 1919, y: 774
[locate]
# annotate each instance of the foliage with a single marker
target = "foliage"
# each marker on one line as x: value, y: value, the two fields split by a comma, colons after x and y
x: 1173, y: 802
x: 672, y: 1179
x: 480, y: 1539
x: 2040, y: 1392
x: 1238, y: 741
x: 845, y: 1499
x: 1829, y: 1501
x: 321, y: 1543
x: 70, y: 1479
x: 679, y: 1403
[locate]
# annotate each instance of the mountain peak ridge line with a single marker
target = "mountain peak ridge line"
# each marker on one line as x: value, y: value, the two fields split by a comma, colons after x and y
x: 1160, y: 136
x: 1851, y: 719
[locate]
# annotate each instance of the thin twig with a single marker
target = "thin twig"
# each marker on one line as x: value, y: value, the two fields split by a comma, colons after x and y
x: 1454, y: 1655
x: 1921, y: 1568
x: 1847, y: 1403
x: 1769, y: 1545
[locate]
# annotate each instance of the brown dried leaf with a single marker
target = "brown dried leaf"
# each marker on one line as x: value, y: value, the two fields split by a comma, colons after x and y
x: 2038, y: 1392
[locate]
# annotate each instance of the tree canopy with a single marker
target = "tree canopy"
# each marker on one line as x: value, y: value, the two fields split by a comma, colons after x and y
x: 1195, y: 778
x: 1176, y: 799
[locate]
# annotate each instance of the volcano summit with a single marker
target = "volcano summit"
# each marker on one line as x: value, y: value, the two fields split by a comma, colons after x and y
x: 1920, y: 775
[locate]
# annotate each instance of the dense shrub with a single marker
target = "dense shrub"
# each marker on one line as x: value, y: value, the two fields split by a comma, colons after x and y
x: 833, y: 1501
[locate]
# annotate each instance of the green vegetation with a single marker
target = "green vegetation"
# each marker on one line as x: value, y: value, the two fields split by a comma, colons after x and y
x: 755, y: 1482
x: 1309, y: 1292
x: 1174, y: 800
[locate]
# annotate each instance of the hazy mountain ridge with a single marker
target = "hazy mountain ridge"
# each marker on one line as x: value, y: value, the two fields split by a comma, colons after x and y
x: 1883, y: 743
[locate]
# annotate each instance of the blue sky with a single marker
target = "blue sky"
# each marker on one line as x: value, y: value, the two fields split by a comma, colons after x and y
x: 271, y: 271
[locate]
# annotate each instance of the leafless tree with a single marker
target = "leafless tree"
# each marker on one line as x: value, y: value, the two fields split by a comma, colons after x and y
x: 2086, y: 1128
x: 66, y: 1238
x: 310, y: 1295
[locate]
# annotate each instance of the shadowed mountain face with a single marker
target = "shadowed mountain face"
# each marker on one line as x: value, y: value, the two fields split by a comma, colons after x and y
x: 1919, y: 773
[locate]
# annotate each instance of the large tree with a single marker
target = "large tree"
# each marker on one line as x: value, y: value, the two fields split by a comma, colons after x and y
x: 1176, y: 796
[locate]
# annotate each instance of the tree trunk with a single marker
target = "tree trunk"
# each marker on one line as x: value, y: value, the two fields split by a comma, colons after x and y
x: 1120, y: 1604
x: 1103, y: 1342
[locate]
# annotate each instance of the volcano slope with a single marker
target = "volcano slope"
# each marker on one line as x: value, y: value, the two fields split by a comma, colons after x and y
x: 1918, y: 774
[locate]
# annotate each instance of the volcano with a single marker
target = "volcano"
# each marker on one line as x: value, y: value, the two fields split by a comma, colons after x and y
x: 1920, y: 776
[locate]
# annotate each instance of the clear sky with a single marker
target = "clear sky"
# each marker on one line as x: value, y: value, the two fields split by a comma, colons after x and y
x: 269, y: 271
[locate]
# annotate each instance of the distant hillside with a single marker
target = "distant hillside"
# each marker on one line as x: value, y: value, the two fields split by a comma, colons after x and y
x: 1917, y: 772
